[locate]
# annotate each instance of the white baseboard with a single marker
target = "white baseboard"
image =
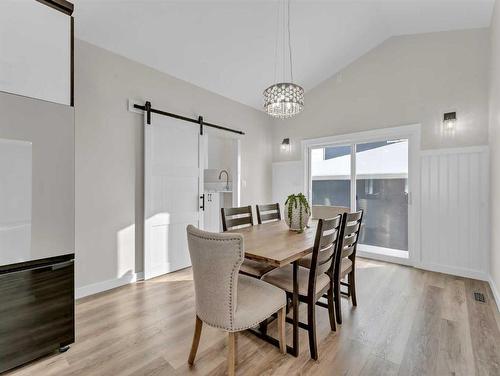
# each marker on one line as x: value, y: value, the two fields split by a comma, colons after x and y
x: 98, y: 287
x: 461, y: 272
x: 496, y: 293
x: 385, y: 258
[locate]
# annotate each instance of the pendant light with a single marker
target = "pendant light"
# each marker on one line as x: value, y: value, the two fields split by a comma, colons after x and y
x: 284, y: 99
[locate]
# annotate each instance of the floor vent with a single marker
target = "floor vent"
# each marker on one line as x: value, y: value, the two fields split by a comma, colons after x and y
x: 479, y: 297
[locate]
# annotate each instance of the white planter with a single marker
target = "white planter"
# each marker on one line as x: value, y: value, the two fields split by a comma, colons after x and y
x: 294, y: 224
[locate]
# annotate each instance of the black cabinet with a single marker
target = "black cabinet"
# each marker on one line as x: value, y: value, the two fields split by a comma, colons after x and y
x: 36, y: 309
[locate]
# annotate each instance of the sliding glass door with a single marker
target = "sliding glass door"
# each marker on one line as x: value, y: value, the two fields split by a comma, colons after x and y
x: 372, y: 175
x: 381, y: 176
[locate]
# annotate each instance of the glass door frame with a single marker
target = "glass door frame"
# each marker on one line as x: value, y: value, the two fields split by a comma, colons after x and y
x: 410, y: 132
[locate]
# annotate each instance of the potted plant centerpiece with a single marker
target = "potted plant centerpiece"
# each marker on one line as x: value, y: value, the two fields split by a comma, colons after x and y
x: 297, y: 212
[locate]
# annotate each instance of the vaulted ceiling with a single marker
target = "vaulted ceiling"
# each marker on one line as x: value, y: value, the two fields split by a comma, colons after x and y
x: 229, y: 47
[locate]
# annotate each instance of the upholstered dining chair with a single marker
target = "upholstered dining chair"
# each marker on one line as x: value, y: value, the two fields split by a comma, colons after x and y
x: 326, y: 211
x: 239, y: 218
x: 224, y: 298
x: 345, y: 261
x: 268, y: 213
x: 315, y: 281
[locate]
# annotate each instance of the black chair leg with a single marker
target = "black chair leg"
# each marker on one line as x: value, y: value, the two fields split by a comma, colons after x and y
x: 352, y: 287
x: 331, y: 309
x: 263, y: 327
x: 337, y: 299
x: 311, y: 323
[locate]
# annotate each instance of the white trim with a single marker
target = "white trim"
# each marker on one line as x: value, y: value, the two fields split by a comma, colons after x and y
x: 385, y: 258
x: 494, y: 290
x: 98, y: 287
x: 464, y: 150
x: 360, y: 137
x: 131, y: 107
x: 360, y: 176
x: 460, y: 272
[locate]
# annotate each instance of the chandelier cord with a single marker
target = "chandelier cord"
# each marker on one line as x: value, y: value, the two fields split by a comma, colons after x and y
x: 276, y: 44
x: 290, y: 44
x: 283, y: 48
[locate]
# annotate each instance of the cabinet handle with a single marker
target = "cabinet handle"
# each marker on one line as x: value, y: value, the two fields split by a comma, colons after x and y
x: 202, y: 197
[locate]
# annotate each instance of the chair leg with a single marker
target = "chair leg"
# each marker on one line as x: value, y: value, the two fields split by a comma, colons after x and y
x: 331, y: 309
x: 231, y: 353
x: 352, y: 287
x: 281, y: 329
x: 338, y: 299
x: 311, y: 323
x: 263, y: 327
x: 196, y: 340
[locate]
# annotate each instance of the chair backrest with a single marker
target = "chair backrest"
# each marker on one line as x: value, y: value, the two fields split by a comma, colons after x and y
x: 326, y: 211
x: 235, y: 217
x: 324, y: 250
x: 269, y: 212
x: 351, y: 226
x: 216, y: 259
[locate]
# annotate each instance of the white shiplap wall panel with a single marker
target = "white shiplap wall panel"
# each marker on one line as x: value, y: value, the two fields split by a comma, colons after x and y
x: 454, y: 211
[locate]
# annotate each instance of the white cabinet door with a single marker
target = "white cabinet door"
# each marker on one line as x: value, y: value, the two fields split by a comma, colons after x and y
x: 173, y: 178
x: 212, y: 212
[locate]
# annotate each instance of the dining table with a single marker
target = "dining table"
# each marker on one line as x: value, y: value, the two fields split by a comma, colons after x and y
x: 274, y: 244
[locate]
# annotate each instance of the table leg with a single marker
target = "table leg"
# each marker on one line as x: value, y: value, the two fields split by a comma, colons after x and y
x: 295, y: 309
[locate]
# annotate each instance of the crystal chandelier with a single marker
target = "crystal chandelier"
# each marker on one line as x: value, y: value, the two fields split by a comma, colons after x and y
x: 284, y: 99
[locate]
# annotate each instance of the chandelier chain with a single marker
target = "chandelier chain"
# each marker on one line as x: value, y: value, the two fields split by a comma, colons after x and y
x: 289, y: 43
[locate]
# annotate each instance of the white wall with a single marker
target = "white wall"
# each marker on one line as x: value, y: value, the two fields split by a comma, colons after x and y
x: 405, y: 80
x: 109, y: 157
x: 495, y: 152
x: 454, y: 207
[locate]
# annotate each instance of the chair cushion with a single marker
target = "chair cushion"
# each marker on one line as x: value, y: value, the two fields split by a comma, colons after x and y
x: 283, y: 278
x: 256, y: 301
x: 255, y: 268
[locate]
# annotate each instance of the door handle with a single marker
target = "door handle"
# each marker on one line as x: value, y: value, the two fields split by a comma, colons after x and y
x: 202, y: 197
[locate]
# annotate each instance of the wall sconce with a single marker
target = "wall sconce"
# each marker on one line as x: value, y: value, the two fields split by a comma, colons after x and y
x: 285, y: 145
x: 449, y: 121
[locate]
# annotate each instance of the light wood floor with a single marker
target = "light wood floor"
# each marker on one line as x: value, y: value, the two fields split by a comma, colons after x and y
x: 408, y: 322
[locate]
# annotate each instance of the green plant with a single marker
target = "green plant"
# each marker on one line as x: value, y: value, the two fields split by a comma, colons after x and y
x: 297, y: 201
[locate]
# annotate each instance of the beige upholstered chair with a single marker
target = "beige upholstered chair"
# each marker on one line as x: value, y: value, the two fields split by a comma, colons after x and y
x: 224, y: 298
x: 326, y: 211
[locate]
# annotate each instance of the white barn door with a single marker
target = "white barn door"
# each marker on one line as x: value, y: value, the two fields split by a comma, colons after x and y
x: 173, y: 184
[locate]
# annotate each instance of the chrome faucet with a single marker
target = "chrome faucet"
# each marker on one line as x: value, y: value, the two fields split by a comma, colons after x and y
x: 227, y: 179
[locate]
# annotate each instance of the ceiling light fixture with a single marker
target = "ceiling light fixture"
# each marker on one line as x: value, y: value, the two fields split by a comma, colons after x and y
x: 284, y: 99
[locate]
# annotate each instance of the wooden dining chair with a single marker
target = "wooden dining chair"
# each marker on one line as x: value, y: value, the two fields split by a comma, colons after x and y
x: 268, y: 213
x: 313, y: 282
x: 345, y: 261
x: 233, y: 218
x: 226, y: 299
x: 236, y: 217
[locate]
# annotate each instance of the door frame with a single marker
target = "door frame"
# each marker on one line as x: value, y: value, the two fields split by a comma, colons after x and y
x: 412, y: 133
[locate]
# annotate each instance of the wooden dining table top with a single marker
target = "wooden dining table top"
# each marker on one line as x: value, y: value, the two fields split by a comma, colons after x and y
x: 273, y: 243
